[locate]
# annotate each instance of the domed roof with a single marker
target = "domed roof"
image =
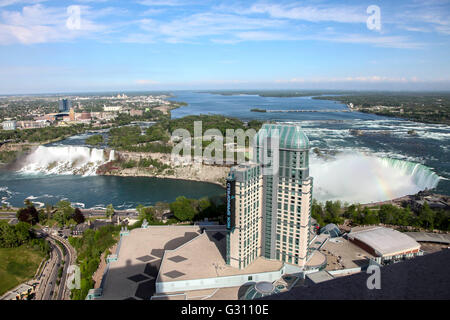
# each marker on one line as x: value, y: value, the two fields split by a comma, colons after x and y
x: 331, y: 229
x: 291, y: 136
x: 259, y: 290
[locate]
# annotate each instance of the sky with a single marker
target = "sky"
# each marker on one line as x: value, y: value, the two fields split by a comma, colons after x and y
x: 52, y: 46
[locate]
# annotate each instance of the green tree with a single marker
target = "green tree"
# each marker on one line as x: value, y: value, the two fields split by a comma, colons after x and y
x: 317, y: 212
x: 23, y: 232
x: 109, y: 211
x: 183, y: 209
x: 426, y: 216
x: 64, y: 212
x: 78, y: 216
x: 29, y: 214
x: 332, y: 212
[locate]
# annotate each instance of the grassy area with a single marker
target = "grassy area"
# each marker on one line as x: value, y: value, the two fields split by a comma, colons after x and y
x: 18, y: 265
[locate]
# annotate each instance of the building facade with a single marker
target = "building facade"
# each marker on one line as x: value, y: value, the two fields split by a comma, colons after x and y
x: 9, y: 125
x: 281, y: 152
x: 244, y: 218
x: 65, y: 105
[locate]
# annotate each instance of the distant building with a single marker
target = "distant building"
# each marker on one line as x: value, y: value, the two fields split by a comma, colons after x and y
x: 134, y: 112
x: 51, y: 117
x: 32, y: 124
x: 107, y: 116
x: 9, y: 125
x: 72, y: 114
x: 112, y: 108
x: 65, y: 105
x: 83, y: 117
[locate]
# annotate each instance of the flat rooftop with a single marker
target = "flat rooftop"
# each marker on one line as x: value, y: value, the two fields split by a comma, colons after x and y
x: 133, y: 275
x: 321, y: 276
x: 385, y: 241
x: 342, y: 254
x: 204, y: 257
x: 317, y: 259
x: 430, y: 237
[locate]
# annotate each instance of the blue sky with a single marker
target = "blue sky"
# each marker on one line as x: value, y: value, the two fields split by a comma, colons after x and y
x: 201, y: 44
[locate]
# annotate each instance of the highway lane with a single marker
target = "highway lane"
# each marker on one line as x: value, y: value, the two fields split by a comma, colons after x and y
x: 51, y: 276
x: 69, y: 259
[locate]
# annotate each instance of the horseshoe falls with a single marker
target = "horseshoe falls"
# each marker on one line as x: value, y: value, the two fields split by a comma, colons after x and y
x: 360, y: 178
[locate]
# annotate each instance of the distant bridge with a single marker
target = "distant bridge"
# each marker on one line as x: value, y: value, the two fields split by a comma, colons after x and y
x: 323, y: 110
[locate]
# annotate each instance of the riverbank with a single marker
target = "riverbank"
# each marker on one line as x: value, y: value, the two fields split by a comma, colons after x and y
x: 164, y: 168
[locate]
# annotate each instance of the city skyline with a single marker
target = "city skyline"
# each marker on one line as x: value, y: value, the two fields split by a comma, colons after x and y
x: 151, y: 45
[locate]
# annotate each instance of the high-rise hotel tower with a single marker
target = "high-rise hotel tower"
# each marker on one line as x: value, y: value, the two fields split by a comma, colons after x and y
x: 269, y: 201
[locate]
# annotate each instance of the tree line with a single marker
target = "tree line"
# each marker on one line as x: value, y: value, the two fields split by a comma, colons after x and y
x: 425, y: 217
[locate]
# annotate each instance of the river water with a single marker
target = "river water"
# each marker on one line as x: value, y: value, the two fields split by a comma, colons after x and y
x: 383, y: 163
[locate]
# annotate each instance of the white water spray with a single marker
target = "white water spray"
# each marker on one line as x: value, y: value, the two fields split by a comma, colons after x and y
x: 66, y: 160
x: 358, y: 178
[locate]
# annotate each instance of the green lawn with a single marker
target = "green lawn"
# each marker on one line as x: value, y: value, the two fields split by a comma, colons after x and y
x: 17, y: 265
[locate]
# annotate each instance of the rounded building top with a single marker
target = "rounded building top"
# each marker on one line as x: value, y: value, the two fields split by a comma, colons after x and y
x: 290, y: 136
x: 259, y: 290
x: 264, y: 287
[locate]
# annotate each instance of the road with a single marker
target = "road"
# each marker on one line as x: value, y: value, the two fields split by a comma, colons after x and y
x: 47, y: 283
x: 64, y: 292
x: 48, y: 289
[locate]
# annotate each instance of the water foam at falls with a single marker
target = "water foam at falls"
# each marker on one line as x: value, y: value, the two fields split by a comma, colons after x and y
x: 66, y: 160
x: 358, y: 178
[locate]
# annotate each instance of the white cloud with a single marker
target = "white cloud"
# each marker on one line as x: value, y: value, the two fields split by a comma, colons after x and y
x: 205, y: 24
x: 168, y: 3
x: 5, y: 3
x: 40, y: 24
x: 342, y: 14
x: 146, y: 82
x: 425, y: 16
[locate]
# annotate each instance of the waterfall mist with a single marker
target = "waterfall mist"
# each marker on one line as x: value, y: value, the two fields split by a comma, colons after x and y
x: 358, y: 178
x: 66, y: 160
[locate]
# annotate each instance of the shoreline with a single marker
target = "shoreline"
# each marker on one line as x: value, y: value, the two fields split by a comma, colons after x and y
x: 163, y: 177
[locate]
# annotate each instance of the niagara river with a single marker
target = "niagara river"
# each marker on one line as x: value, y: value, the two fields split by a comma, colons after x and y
x: 354, y: 157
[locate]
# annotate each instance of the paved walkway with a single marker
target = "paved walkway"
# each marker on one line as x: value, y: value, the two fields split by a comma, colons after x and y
x: 430, y: 237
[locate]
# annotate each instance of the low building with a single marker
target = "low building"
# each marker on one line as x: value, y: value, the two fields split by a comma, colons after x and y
x: 112, y: 108
x: 9, y: 125
x: 134, y: 113
x: 385, y: 244
x: 84, y: 116
x: 32, y: 124
x: 51, y: 117
x: 80, y: 229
